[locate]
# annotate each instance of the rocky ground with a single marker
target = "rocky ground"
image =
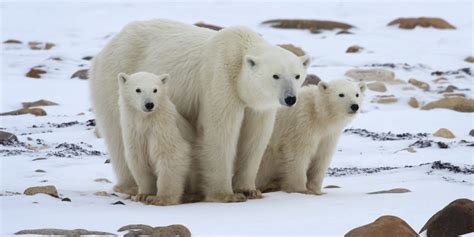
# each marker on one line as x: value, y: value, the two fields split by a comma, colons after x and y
x: 405, y: 157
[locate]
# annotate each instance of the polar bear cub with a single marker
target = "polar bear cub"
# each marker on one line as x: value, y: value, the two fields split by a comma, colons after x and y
x: 156, y: 151
x: 305, y: 137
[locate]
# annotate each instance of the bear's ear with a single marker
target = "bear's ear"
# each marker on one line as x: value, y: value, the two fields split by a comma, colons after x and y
x: 306, y: 60
x: 164, y: 78
x: 323, y: 85
x: 122, y: 77
x: 362, y: 86
x: 250, y: 60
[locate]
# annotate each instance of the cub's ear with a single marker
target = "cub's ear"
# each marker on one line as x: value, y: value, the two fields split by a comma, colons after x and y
x: 251, y: 60
x: 323, y: 85
x: 122, y: 78
x: 306, y: 60
x: 362, y: 86
x: 164, y: 78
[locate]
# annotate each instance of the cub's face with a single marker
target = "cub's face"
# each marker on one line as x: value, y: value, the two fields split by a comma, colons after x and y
x: 272, y: 78
x: 345, y: 97
x: 142, y: 90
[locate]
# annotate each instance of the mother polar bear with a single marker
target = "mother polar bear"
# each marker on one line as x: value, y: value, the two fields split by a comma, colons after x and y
x: 228, y: 84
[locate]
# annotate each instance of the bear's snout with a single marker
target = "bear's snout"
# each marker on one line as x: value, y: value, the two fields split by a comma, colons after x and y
x: 290, y: 100
x: 355, y: 107
x: 149, y: 106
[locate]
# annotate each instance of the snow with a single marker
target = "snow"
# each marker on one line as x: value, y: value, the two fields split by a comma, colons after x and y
x: 82, y: 29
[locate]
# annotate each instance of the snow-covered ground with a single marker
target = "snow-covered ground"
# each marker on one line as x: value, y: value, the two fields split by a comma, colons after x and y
x: 82, y: 29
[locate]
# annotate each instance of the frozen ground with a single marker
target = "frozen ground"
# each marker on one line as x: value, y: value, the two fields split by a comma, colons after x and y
x: 80, y: 30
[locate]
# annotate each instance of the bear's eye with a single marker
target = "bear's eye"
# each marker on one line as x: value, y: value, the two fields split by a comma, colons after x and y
x: 155, y: 90
x: 341, y: 95
x: 357, y: 95
x: 138, y: 90
x: 276, y: 77
x: 297, y: 77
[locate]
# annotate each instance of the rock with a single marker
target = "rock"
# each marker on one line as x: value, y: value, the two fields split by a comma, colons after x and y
x: 311, y: 79
x: 449, y: 89
x: 382, y: 75
x: 7, y: 138
x: 395, y: 190
x: 102, y: 180
x: 107, y: 161
x: 62, y: 232
x: 81, y: 74
x: 66, y: 200
x: 455, y: 219
x: 146, y: 230
x: 471, y: 133
x: 408, y: 88
x: 315, y: 26
x: 440, y: 80
x: 332, y: 186
x: 102, y: 194
x: 384, y: 226
x: 296, y: 50
x: 411, y: 23
x: 35, y: 73
x: 447, y: 95
x: 377, y: 86
x: 87, y: 58
x: 409, y: 149
x: 385, y: 99
x: 118, y: 203
x: 33, y: 111
x: 460, y: 72
x: 453, y: 103
x: 50, y: 190
x: 413, y: 102
x: 344, y: 32
x: 208, y: 26
x: 40, y: 171
x: 39, y: 158
x: 40, y: 46
x: 420, y: 84
x: 444, y: 133
x: 12, y: 41
x: 469, y: 59
x: 354, y: 49
x: 38, y: 103
x: 56, y: 58
x: 442, y: 145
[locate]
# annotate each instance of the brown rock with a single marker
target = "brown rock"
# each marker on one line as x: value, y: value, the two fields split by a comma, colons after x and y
x: 384, y: 226
x: 33, y: 111
x: 6, y: 137
x: 296, y: 50
x: 385, y: 99
x: 101, y: 194
x: 413, y: 102
x: 40, y: 46
x: 454, y: 103
x: 311, y: 79
x: 50, y: 190
x: 408, y: 88
x: 395, y: 190
x: 471, y: 133
x: 411, y: 23
x: 332, y: 186
x: 81, y: 74
x: 35, y: 73
x: 38, y: 103
x: 449, y: 89
x: 454, y: 220
x: 420, y: 84
x: 447, y: 95
x: 312, y: 25
x: 382, y: 75
x: 469, y: 59
x: 344, y: 32
x: 62, y: 232
x: 445, y: 133
x: 12, y: 41
x: 377, y: 86
x: 171, y: 230
x: 440, y: 80
x: 208, y: 26
x: 102, y: 180
x: 354, y: 49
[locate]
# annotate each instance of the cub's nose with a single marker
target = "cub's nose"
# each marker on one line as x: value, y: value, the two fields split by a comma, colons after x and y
x: 149, y: 106
x: 290, y: 100
x: 355, y: 107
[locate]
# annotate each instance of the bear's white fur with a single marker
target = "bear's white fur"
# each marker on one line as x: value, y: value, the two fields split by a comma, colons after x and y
x: 221, y: 82
x: 305, y: 137
x: 157, y: 154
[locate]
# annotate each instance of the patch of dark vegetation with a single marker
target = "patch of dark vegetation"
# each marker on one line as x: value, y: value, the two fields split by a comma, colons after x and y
x: 465, y: 70
x: 12, y: 152
x: 338, y: 172
x: 438, y: 165
x: 429, y: 143
x: 72, y: 150
x: 384, y: 136
x: 63, y: 125
x: 404, y: 66
x: 90, y: 123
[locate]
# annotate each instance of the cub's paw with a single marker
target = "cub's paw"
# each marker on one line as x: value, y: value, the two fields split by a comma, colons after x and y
x: 311, y: 192
x: 235, y: 197
x: 251, y: 194
x: 130, y: 190
x: 161, y: 201
x: 140, y: 197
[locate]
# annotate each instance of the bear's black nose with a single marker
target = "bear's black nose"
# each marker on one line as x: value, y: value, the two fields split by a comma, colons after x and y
x: 290, y: 100
x: 149, y: 106
x: 355, y: 107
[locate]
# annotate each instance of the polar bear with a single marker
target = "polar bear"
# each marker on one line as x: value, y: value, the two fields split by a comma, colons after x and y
x: 228, y: 84
x: 155, y: 151
x: 305, y: 137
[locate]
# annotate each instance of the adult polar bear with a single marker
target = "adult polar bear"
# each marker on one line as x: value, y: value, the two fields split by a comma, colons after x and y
x: 227, y: 84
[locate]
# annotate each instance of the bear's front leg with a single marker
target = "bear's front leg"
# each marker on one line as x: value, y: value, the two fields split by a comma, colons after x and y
x: 320, y: 163
x: 255, y: 134
x: 293, y: 171
x: 137, y: 162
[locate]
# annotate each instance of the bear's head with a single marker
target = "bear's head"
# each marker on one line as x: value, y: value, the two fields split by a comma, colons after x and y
x: 142, y: 90
x: 271, y: 77
x: 343, y: 98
